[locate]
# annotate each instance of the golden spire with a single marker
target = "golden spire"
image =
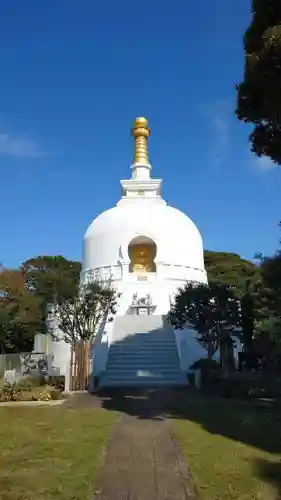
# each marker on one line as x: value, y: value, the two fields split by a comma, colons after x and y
x: 140, y: 132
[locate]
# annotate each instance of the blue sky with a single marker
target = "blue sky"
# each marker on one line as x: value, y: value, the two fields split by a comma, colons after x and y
x: 73, y: 77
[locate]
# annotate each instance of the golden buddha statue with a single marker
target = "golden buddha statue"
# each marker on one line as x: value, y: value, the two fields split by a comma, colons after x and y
x: 142, y: 259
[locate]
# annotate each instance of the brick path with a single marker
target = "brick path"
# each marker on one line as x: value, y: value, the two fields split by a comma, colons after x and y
x: 143, y: 459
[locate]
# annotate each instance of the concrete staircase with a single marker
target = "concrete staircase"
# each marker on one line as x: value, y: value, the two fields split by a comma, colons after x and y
x: 143, y: 353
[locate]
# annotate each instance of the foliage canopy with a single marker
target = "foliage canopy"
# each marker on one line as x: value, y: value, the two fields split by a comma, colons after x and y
x: 213, y: 311
x: 259, y: 97
x: 80, y: 317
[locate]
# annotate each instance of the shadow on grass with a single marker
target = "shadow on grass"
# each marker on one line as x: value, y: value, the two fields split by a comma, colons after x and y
x: 241, y: 421
x: 270, y: 472
x: 227, y: 417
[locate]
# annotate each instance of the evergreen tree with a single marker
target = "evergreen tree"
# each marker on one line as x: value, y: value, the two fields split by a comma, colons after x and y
x: 259, y: 97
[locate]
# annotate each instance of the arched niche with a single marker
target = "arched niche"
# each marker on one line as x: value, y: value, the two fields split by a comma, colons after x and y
x: 142, y: 252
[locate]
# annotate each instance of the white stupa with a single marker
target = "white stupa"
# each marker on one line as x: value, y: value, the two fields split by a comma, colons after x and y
x: 147, y: 250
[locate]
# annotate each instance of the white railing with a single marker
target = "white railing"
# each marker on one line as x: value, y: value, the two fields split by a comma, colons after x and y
x: 107, y: 273
x: 184, y: 273
x: 164, y: 271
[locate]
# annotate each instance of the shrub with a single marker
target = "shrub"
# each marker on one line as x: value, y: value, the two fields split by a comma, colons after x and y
x: 25, y: 384
x: 57, y: 381
x: 191, y: 378
x: 205, y: 365
x: 55, y: 394
x: 210, y: 374
x: 41, y: 396
x: 96, y: 381
x: 247, y: 386
x: 10, y: 392
x: 227, y: 388
x: 23, y: 391
x: 30, y: 381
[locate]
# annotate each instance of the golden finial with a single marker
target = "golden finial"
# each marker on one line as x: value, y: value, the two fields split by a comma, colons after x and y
x: 140, y: 132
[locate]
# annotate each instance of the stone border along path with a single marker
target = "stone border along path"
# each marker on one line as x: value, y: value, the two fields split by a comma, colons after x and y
x: 143, y: 459
x: 32, y: 403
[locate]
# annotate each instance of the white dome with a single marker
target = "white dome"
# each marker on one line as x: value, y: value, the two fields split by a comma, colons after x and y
x: 177, y: 239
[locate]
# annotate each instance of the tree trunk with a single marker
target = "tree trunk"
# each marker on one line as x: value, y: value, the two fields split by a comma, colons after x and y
x: 222, y: 349
x: 210, y: 351
x: 226, y: 351
x: 230, y: 354
x: 81, y: 365
x: 223, y: 358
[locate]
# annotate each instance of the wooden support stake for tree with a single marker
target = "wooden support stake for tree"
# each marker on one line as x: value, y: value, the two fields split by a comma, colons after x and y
x: 80, y: 365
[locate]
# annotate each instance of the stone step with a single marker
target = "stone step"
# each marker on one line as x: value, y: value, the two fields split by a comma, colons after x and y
x: 132, y: 364
x: 143, y: 347
x: 144, y: 353
x: 151, y: 333
x: 159, y: 371
x: 143, y: 369
x: 141, y: 338
x: 138, y: 358
x: 128, y: 362
x: 142, y: 374
x: 142, y: 383
x: 171, y: 359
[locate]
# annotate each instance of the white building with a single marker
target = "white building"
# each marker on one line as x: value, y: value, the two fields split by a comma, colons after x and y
x: 147, y: 250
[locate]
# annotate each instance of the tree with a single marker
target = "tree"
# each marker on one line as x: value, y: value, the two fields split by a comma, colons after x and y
x: 213, y: 312
x: 52, y: 277
x: 5, y: 329
x: 230, y: 269
x: 245, y: 278
x: 269, y: 320
x: 20, y: 312
x: 80, y: 317
x: 271, y: 278
x: 259, y: 98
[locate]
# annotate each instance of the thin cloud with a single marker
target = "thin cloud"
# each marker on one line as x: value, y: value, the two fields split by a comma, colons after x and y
x: 19, y: 147
x: 219, y: 118
x: 222, y: 125
x: 221, y: 132
x: 264, y: 164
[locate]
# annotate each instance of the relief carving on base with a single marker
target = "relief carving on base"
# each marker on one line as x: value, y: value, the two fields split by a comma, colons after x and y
x: 142, y: 301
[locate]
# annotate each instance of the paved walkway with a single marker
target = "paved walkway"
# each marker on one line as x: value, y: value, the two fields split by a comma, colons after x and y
x: 143, y: 459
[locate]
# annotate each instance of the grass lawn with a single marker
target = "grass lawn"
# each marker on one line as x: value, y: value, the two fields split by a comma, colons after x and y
x: 51, y: 453
x: 233, y: 449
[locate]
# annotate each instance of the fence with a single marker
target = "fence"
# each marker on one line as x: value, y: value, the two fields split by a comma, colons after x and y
x: 26, y: 364
x: 37, y: 363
